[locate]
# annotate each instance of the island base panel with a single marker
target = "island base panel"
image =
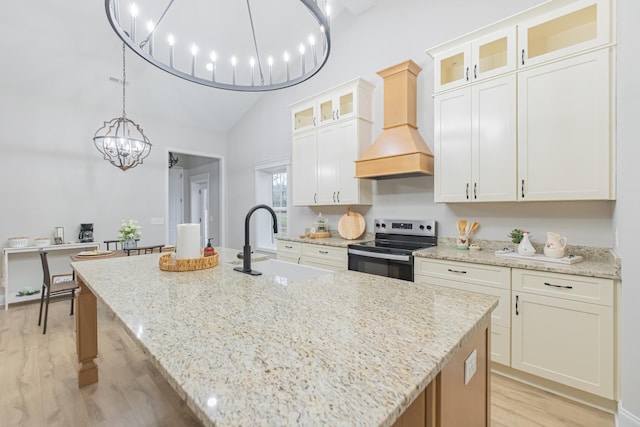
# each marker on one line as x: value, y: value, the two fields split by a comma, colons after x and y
x: 86, y: 335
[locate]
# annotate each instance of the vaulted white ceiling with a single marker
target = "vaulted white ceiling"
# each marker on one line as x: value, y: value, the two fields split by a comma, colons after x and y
x: 66, y: 49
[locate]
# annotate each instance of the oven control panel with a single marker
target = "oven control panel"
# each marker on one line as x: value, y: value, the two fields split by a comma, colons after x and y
x: 411, y: 227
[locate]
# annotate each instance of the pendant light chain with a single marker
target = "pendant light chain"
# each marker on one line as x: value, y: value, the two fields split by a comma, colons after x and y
x: 124, y: 80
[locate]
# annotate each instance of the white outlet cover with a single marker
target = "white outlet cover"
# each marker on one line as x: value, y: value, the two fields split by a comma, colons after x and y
x: 470, y: 366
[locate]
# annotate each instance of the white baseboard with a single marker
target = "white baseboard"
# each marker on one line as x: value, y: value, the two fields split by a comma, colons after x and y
x: 626, y: 418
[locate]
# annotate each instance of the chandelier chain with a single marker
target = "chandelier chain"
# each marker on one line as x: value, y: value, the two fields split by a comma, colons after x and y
x: 124, y: 81
x: 255, y: 43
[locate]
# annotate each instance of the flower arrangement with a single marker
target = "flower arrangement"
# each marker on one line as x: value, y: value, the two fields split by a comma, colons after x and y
x: 129, y: 230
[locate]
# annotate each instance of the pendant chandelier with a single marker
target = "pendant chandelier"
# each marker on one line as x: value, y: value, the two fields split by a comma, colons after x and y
x: 219, y: 35
x: 121, y: 140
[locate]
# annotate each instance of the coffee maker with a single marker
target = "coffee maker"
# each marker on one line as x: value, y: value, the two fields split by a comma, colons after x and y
x: 86, y: 233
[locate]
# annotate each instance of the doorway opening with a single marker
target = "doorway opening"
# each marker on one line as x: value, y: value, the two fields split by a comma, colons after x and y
x: 195, y: 194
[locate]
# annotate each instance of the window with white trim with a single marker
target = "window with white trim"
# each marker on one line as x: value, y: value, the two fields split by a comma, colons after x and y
x: 272, y: 188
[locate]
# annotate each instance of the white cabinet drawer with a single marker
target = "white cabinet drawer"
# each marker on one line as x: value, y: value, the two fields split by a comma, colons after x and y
x: 324, y: 252
x: 478, y: 274
x: 500, y: 344
x: 289, y: 248
x: 577, y: 288
x: 501, y: 316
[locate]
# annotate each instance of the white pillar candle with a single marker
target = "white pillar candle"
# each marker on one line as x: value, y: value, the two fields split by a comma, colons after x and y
x: 188, y: 241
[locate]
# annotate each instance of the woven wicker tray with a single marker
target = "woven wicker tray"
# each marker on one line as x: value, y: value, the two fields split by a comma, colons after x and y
x: 168, y: 264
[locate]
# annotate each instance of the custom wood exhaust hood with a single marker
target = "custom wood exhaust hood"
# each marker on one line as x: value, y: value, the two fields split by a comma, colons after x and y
x: 399, y: 150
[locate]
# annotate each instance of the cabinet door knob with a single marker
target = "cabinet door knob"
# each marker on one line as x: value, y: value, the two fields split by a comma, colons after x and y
x: 475, y: 190
x: 522, y: 56
x: 338, y: 196
x: 314, y: 198
x: 334, y: 197
x: 475, y: 71
x: 467, y: 73
x: 467, y: 191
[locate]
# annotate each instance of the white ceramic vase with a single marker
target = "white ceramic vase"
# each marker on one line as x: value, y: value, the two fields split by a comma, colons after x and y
x: 525, y: 247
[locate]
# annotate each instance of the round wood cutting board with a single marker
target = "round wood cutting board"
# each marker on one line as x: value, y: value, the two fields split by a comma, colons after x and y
x: 351, y: 225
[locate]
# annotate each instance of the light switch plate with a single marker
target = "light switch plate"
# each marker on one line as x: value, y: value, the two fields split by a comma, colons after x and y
x: 157, y: 220
x: 470, y: 366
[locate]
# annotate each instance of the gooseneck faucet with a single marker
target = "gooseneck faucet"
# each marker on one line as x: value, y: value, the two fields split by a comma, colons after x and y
x: 246, y: 250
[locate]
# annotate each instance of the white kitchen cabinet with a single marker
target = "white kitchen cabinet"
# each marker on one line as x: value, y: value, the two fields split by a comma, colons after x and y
x: 574, y: 28
x: 563, y: 329
x: 348, y: 100
x: 475, y: 142
x: 322, y: 256
x: 304, y: 168
x: 484, y: 279
x: 323, y: 157
x: 564, y: 130
x: 289, y: 251
x: 485, y: 57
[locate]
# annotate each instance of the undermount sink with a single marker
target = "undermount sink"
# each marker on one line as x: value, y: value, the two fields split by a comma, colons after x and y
x: 284, y: 271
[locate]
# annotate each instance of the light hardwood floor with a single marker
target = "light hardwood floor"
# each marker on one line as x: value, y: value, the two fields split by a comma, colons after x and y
x: 38, y: 382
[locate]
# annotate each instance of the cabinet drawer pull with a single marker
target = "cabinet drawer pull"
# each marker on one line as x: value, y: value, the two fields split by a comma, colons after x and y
x: 517, y: 305
x: 288, y: 247
x: 323, y: 252
x: 457, y: 271
x: 522, y: 56
x: 558, y: 286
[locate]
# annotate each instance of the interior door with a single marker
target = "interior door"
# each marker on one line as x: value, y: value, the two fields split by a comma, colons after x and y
x: 200, y: 208
x: 176, y: 202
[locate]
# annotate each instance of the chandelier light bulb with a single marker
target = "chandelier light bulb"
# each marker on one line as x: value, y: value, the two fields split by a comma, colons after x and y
x: 286, y: 63
x: 270, y: 62
x: 209, y: 66
x: 312, y: 40
x: 213, y: 56
x: 302, y: 62
x: 301, y: 49
x: 172, y: 42
x: 312, y: 43
x: 194, y: 52
x: 252, y: 63
x: 150, y: 27
x: 234, y: 61
x: 133, y: 10
x: 286, y: 56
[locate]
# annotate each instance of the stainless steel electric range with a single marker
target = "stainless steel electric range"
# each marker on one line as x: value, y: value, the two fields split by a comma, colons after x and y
x: 390, y: 254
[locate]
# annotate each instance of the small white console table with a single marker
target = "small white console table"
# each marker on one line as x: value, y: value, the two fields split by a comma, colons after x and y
x: 21, y: 267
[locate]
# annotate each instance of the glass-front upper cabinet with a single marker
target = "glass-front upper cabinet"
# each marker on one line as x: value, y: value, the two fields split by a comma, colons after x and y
x: 577, y: 27
x: 337, y: 105
x: 304, y: 116
x: 484, y: 57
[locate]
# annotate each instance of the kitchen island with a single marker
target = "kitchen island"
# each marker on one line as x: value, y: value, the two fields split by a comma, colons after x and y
x: 340, y: 349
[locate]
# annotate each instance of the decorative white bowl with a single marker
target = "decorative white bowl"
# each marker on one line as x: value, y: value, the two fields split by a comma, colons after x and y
x: 42, y: 241
x: 18, y: 242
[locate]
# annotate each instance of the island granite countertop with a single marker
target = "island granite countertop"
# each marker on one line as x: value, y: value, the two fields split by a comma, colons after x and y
x: 342, y: 349
x: 598, y: 262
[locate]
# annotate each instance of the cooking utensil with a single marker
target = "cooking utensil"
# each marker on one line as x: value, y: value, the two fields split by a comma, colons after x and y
x: 462, y: 224
x: 474, y: 227
x: 351, y: 225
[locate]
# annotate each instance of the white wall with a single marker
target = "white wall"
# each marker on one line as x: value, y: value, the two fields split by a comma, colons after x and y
x: 626, y: 212
x: 52, y: 174
x: 389, y: 33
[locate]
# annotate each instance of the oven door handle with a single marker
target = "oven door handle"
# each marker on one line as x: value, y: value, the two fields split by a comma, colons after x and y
x: 368, y: 254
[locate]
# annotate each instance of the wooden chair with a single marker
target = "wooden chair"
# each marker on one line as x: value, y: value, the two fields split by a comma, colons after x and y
x: 114, y: 242
x: 144, y: 249
x: 60, y: 287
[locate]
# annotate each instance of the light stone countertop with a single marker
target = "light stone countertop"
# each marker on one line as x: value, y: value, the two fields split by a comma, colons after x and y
x: 346, y: 348
x: 598, y: 262
x: 334, y: 240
